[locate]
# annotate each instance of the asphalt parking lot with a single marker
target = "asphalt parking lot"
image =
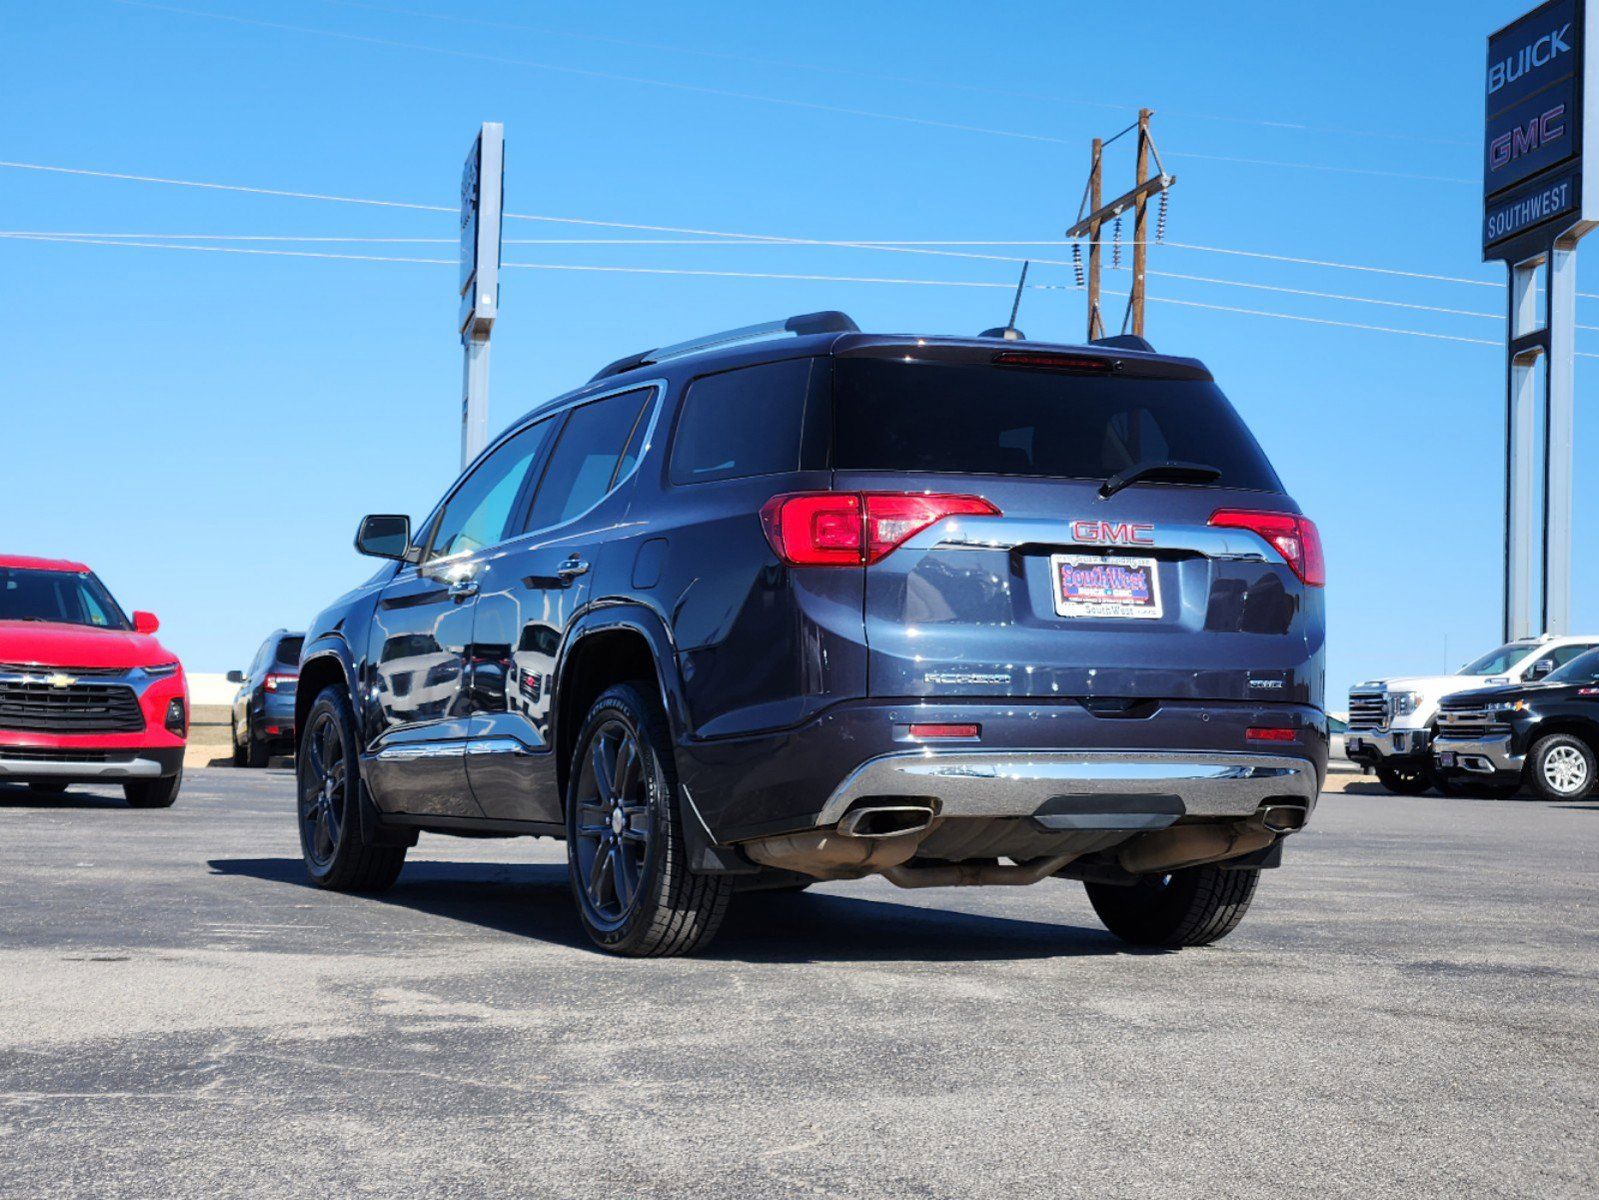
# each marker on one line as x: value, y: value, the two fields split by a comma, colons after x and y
x: 1409, y: 1010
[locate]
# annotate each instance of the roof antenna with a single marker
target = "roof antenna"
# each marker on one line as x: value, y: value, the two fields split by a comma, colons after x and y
x: 1008, y: 331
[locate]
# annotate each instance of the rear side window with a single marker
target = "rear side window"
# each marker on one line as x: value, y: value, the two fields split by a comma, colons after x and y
x: 588, y: 460
x: 742, y: 423
x: 942, y: 418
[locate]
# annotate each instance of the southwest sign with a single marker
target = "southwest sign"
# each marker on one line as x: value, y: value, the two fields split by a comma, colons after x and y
x: 1532, y: 168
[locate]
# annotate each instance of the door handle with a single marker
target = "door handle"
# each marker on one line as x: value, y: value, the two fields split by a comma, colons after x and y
x: 463, y: 589
x: 572, y: 568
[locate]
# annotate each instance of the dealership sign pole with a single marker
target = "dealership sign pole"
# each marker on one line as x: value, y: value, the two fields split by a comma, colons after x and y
x: 1537, y: 204
x: 482, y: 199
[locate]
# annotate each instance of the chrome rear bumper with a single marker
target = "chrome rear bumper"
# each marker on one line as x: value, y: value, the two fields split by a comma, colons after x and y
x: 1017, y: 784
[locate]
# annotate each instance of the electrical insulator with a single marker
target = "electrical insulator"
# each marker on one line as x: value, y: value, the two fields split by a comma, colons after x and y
x: 1116, y: 246
x: 1160, y: 220
x: 1077, y: 262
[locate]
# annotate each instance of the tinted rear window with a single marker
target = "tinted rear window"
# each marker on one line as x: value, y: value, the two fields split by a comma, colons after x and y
x: 945, y: 418
x: 289, y: 651
x: 742, y: 423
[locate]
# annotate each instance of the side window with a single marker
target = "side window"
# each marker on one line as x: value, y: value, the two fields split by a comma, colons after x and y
x: 1565, y: 654
x: 477, y: 514
x: 742, y: 423
x: 587, y: 460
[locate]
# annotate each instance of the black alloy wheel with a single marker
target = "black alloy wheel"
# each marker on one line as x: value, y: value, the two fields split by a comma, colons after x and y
x: 614, y: 824
x: 626, y: 854
x: 336, y: 854
x: 324, y: 792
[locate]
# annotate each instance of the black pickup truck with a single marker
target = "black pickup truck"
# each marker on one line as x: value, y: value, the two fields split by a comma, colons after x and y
x: 1542, y: 734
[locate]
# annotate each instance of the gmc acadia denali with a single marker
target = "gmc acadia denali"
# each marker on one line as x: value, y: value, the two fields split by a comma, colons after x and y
x: 757, y: 610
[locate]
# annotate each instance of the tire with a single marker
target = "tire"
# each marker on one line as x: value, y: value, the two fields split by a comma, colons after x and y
x: 1191, y: 907
x: 1405, y: 781
x: 240, y: 755
x: 153, y: 793
x: 255, y: 752
x: 1562, y: 767
x: 626, y: 857
x: 48, y: 787
x: 328, y: 782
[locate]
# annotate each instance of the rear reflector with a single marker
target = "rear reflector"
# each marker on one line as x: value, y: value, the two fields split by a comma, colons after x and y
x: 1291, y: 535
x: 945, y: 731
x: 852, y: 529
x: 1260, y: 733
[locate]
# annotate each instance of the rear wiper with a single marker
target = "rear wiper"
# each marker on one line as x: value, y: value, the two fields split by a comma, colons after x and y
x: 1180, y: 472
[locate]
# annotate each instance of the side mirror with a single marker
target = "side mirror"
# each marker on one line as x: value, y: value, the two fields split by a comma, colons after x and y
x: 235, y: 676
x: 1544, y: 666
x: 145, y: 622
x: 384, y: 535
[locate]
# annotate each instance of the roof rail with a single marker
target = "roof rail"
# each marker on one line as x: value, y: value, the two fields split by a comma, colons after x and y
x: 817, y: 322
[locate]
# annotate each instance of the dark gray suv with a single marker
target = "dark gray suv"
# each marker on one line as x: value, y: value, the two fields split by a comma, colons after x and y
x: 760, y: 610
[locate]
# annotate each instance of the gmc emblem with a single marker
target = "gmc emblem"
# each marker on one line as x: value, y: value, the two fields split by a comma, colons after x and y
x: 1119, y: 533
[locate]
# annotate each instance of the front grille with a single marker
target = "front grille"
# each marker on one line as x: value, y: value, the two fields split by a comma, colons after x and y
x: 1367, y: 709
x: 37, y: 706
x: 1471, y: 723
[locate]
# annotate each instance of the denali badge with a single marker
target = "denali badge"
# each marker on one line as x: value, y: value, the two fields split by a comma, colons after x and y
x: 1113, y: 533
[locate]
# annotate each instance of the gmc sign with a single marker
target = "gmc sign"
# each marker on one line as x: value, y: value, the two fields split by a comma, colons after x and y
x: 1113, y: 533
x: 1534, y: 86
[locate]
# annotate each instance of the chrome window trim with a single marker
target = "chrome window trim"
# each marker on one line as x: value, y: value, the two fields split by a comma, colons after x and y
x: 658, y: 389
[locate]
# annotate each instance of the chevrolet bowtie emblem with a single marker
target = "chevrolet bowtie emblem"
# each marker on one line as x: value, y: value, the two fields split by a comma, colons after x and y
x: 59, y: 680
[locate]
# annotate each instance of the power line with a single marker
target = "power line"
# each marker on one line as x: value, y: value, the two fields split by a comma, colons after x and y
x: 731, y: 237
x: 678, y: 271
x: 724, y: 93
x: 680, y: 242
x: 944, y: 84
x: 229, y: 187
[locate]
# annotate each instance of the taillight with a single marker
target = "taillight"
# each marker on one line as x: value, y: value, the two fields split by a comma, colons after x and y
x: 837, y: 529
x: 1292, y: 536
x: 273, y: 682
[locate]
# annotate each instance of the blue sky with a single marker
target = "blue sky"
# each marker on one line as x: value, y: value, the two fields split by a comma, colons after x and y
x: 206, y: 428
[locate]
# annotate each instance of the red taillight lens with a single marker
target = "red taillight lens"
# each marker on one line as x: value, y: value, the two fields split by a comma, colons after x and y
x: 1262, y: 733
x: 273, y: 682
x: 1292, y: 536
x: 834, y: 529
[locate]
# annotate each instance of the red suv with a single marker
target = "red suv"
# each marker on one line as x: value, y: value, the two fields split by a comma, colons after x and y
x: 86, y: 695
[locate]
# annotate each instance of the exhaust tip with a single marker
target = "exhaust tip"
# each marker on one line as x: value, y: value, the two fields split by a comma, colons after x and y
x: 1283, y: 818
x: 886, y: 821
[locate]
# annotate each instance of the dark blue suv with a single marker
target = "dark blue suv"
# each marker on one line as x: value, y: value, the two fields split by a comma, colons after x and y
x: 759, y: 610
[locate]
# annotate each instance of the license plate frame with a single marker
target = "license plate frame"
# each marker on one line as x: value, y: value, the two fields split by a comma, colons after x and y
x: 1120, y: 597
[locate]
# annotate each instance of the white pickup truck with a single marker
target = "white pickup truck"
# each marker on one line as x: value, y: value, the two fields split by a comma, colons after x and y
x: 1392, y: 721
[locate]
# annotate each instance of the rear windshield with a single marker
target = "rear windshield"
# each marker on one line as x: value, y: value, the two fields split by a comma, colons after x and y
x: 946, y: 418
x: 289, y: 651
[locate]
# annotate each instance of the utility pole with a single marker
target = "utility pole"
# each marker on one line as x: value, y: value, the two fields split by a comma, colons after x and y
x: 1135, y: 299
x: 1096, y: 180
x: 1094, y: 213
x: 482, y: 199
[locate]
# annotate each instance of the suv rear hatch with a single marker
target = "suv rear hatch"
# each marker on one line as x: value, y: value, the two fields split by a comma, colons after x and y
x: 1090, y: 581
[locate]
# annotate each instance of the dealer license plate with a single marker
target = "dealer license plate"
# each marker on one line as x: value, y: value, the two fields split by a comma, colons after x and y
x: 1094, y: 586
